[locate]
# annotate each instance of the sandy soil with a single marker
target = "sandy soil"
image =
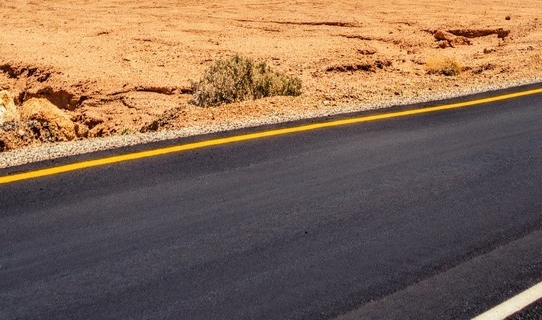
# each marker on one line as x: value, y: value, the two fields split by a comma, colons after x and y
x: 123, y: 66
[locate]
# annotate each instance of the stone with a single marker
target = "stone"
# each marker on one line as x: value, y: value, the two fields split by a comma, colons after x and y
x: 81, y: 130
x: 8, y: 110
x: 489, y: 50
x: 56, y: 125
x: 451, y: 39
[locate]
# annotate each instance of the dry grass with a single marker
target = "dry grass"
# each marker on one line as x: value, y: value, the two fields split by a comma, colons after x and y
x: 240, y: 79
x: 444, y: 66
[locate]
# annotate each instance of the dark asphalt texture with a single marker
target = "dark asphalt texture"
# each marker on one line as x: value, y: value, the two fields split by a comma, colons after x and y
x: 531, y: 312
x: 435, y: 216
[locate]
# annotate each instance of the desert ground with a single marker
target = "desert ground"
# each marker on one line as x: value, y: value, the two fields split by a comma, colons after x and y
x: 75, y: 70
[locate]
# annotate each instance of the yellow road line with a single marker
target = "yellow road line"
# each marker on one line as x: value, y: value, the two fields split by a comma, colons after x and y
x: 250, y: 136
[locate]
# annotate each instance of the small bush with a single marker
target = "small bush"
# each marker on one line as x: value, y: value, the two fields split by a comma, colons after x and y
x: 240, y: 79
x: 444, y: 66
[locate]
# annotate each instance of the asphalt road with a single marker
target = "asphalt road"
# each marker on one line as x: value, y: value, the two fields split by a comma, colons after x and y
x: 423, y: 217
x: 531, y: 312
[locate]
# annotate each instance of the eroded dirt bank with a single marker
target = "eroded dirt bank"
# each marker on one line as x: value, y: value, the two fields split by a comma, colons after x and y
x: 122, y: 67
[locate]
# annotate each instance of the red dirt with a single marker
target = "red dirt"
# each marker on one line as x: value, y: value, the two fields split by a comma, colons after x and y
x: 127, y: 66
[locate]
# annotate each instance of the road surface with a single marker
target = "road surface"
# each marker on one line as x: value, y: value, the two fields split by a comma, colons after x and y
x: 436, y: 215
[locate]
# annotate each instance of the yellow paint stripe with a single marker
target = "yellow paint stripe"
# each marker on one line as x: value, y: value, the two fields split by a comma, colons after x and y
x: 250, y: 136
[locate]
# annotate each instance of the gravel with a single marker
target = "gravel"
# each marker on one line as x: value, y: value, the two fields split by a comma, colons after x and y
x: 58, y: 150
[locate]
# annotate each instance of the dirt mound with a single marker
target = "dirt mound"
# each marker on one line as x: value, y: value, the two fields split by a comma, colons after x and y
x: 61, y: 98
x: 36, y: 120
x: 23, y: 71
x: 56, y: 124
x: 28, y: 81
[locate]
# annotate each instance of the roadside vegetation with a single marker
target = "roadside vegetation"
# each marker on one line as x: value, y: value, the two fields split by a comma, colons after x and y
x: 443, y: 65
x: 239, y: 79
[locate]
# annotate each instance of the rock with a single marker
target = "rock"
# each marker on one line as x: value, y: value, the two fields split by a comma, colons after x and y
x: 59, y: 97
x: 452, y: 40
x: 477, y: 33
x: 81, y: 130
x: 15, y: 135
x: 9, y: 139
x: 8, y: 111
x: 489, y: 50
x: 367, y: 51
x: 92, y: 119
x: 443, y: 44
x: 55, y: 124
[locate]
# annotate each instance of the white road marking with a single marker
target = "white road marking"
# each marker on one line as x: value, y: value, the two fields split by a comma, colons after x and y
x: 513, y: 305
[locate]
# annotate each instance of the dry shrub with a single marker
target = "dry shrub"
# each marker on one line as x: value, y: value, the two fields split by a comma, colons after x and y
x: 239, y: 79
x: 443, y: 65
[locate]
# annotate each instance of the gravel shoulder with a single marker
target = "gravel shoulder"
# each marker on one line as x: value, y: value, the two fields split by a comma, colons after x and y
x: 46, y: 152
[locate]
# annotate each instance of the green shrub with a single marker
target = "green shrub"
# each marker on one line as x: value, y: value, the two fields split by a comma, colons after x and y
x: 240, y: 79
